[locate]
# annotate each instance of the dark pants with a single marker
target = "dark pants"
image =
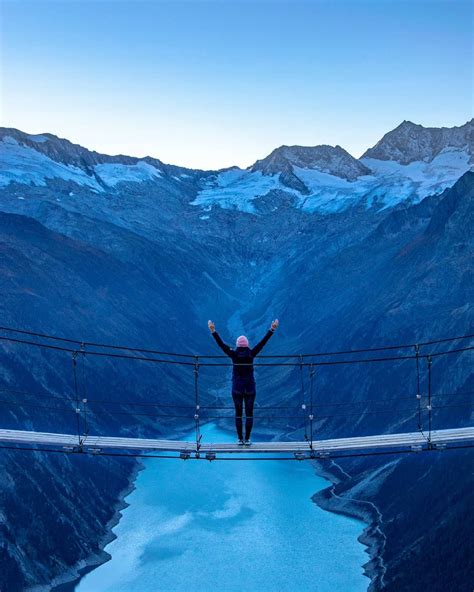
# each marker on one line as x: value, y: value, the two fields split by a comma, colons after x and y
x: 242, y: 398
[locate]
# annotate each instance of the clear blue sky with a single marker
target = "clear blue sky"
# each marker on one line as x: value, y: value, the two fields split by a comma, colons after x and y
x: 212, y: 84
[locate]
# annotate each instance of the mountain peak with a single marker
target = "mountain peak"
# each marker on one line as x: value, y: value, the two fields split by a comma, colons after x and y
x: 333, y: 160
x: 410, y: 142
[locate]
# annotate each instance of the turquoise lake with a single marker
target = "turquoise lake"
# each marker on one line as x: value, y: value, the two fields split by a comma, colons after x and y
x: 199, y: 526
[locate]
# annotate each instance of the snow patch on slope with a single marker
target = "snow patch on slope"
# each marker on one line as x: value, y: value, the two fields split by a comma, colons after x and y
x: 22, y: 164
x: 389, y: 184
x: 420, y: 178
x: 236, y: 189
x: 329, y: 193
x: 38, y: 138
x: 114, y: 173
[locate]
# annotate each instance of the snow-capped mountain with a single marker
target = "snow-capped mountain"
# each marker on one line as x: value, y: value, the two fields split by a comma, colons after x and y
x: 409, y: 143
x: 37, y: 159
x: 407, y: 164
x: 331, y: 160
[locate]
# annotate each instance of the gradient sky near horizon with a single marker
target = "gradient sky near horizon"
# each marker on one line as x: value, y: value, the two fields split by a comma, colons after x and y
x: 210, y: 84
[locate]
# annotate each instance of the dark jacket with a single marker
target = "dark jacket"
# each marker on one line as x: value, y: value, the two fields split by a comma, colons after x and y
x: 242, y: 357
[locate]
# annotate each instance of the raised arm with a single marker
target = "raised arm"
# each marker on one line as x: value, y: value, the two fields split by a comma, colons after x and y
x: 258, y: 348
x: 224, y: 347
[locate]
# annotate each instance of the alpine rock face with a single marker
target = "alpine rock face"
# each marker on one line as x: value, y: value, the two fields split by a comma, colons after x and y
x: 347, y: 252
x: 409, y: 143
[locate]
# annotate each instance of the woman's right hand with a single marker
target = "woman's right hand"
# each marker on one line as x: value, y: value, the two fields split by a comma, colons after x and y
x: 274, y: 325
x: 212, y: 327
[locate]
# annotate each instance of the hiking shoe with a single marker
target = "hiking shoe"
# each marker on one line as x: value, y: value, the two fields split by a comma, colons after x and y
x: 240, y: 442
x: 247, y: 443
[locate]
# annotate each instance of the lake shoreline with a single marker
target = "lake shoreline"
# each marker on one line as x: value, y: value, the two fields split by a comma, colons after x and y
x: 326, y: 499
x: 68, y: 581
x: 371, y: 537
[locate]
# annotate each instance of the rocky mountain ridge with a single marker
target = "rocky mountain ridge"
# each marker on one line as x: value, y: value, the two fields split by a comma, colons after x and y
x: 410, y: 142
x: 408, y: 163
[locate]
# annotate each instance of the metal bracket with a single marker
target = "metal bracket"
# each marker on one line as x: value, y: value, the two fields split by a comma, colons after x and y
x: 323, y: 454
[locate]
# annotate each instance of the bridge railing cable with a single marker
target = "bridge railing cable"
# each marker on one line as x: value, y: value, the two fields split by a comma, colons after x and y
x: 333, y: 403
x: 229, y: 364
x: 191, y: 356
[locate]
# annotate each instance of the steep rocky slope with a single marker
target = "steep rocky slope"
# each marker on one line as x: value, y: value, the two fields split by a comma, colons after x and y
x: 128, y: 250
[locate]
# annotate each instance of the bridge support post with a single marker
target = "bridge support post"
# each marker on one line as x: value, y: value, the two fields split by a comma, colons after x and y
x: 429, y: 362
x: 418, y: 392
x: 85, y: 432
x: 197, y: 406
x: 312, y: 373
x: 76, y: 392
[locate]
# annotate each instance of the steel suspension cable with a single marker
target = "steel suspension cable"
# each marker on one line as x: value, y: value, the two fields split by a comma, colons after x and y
x: 209, y: 417
x: 331, y: 457
x: 126, y: 403
x: 185, y: 355
x: 264, y: 364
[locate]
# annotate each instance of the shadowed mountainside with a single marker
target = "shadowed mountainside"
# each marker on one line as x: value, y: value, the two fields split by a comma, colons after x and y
x: 137, y: 263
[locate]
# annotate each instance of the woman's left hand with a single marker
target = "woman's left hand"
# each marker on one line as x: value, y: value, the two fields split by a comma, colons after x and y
x: 274, y: 325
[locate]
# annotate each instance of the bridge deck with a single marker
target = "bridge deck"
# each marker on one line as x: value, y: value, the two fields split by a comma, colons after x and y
x: 357, y: 444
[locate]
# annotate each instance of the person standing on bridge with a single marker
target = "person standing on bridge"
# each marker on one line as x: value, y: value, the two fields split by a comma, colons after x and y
x: 243, y: 381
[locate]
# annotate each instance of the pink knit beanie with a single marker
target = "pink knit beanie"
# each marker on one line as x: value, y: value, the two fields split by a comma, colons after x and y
x: 242, y: 341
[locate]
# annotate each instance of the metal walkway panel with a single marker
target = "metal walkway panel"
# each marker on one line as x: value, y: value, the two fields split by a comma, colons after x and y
x: 359, y: 444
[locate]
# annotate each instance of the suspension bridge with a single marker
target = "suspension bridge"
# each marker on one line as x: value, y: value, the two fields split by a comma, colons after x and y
x: 422, y: 439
